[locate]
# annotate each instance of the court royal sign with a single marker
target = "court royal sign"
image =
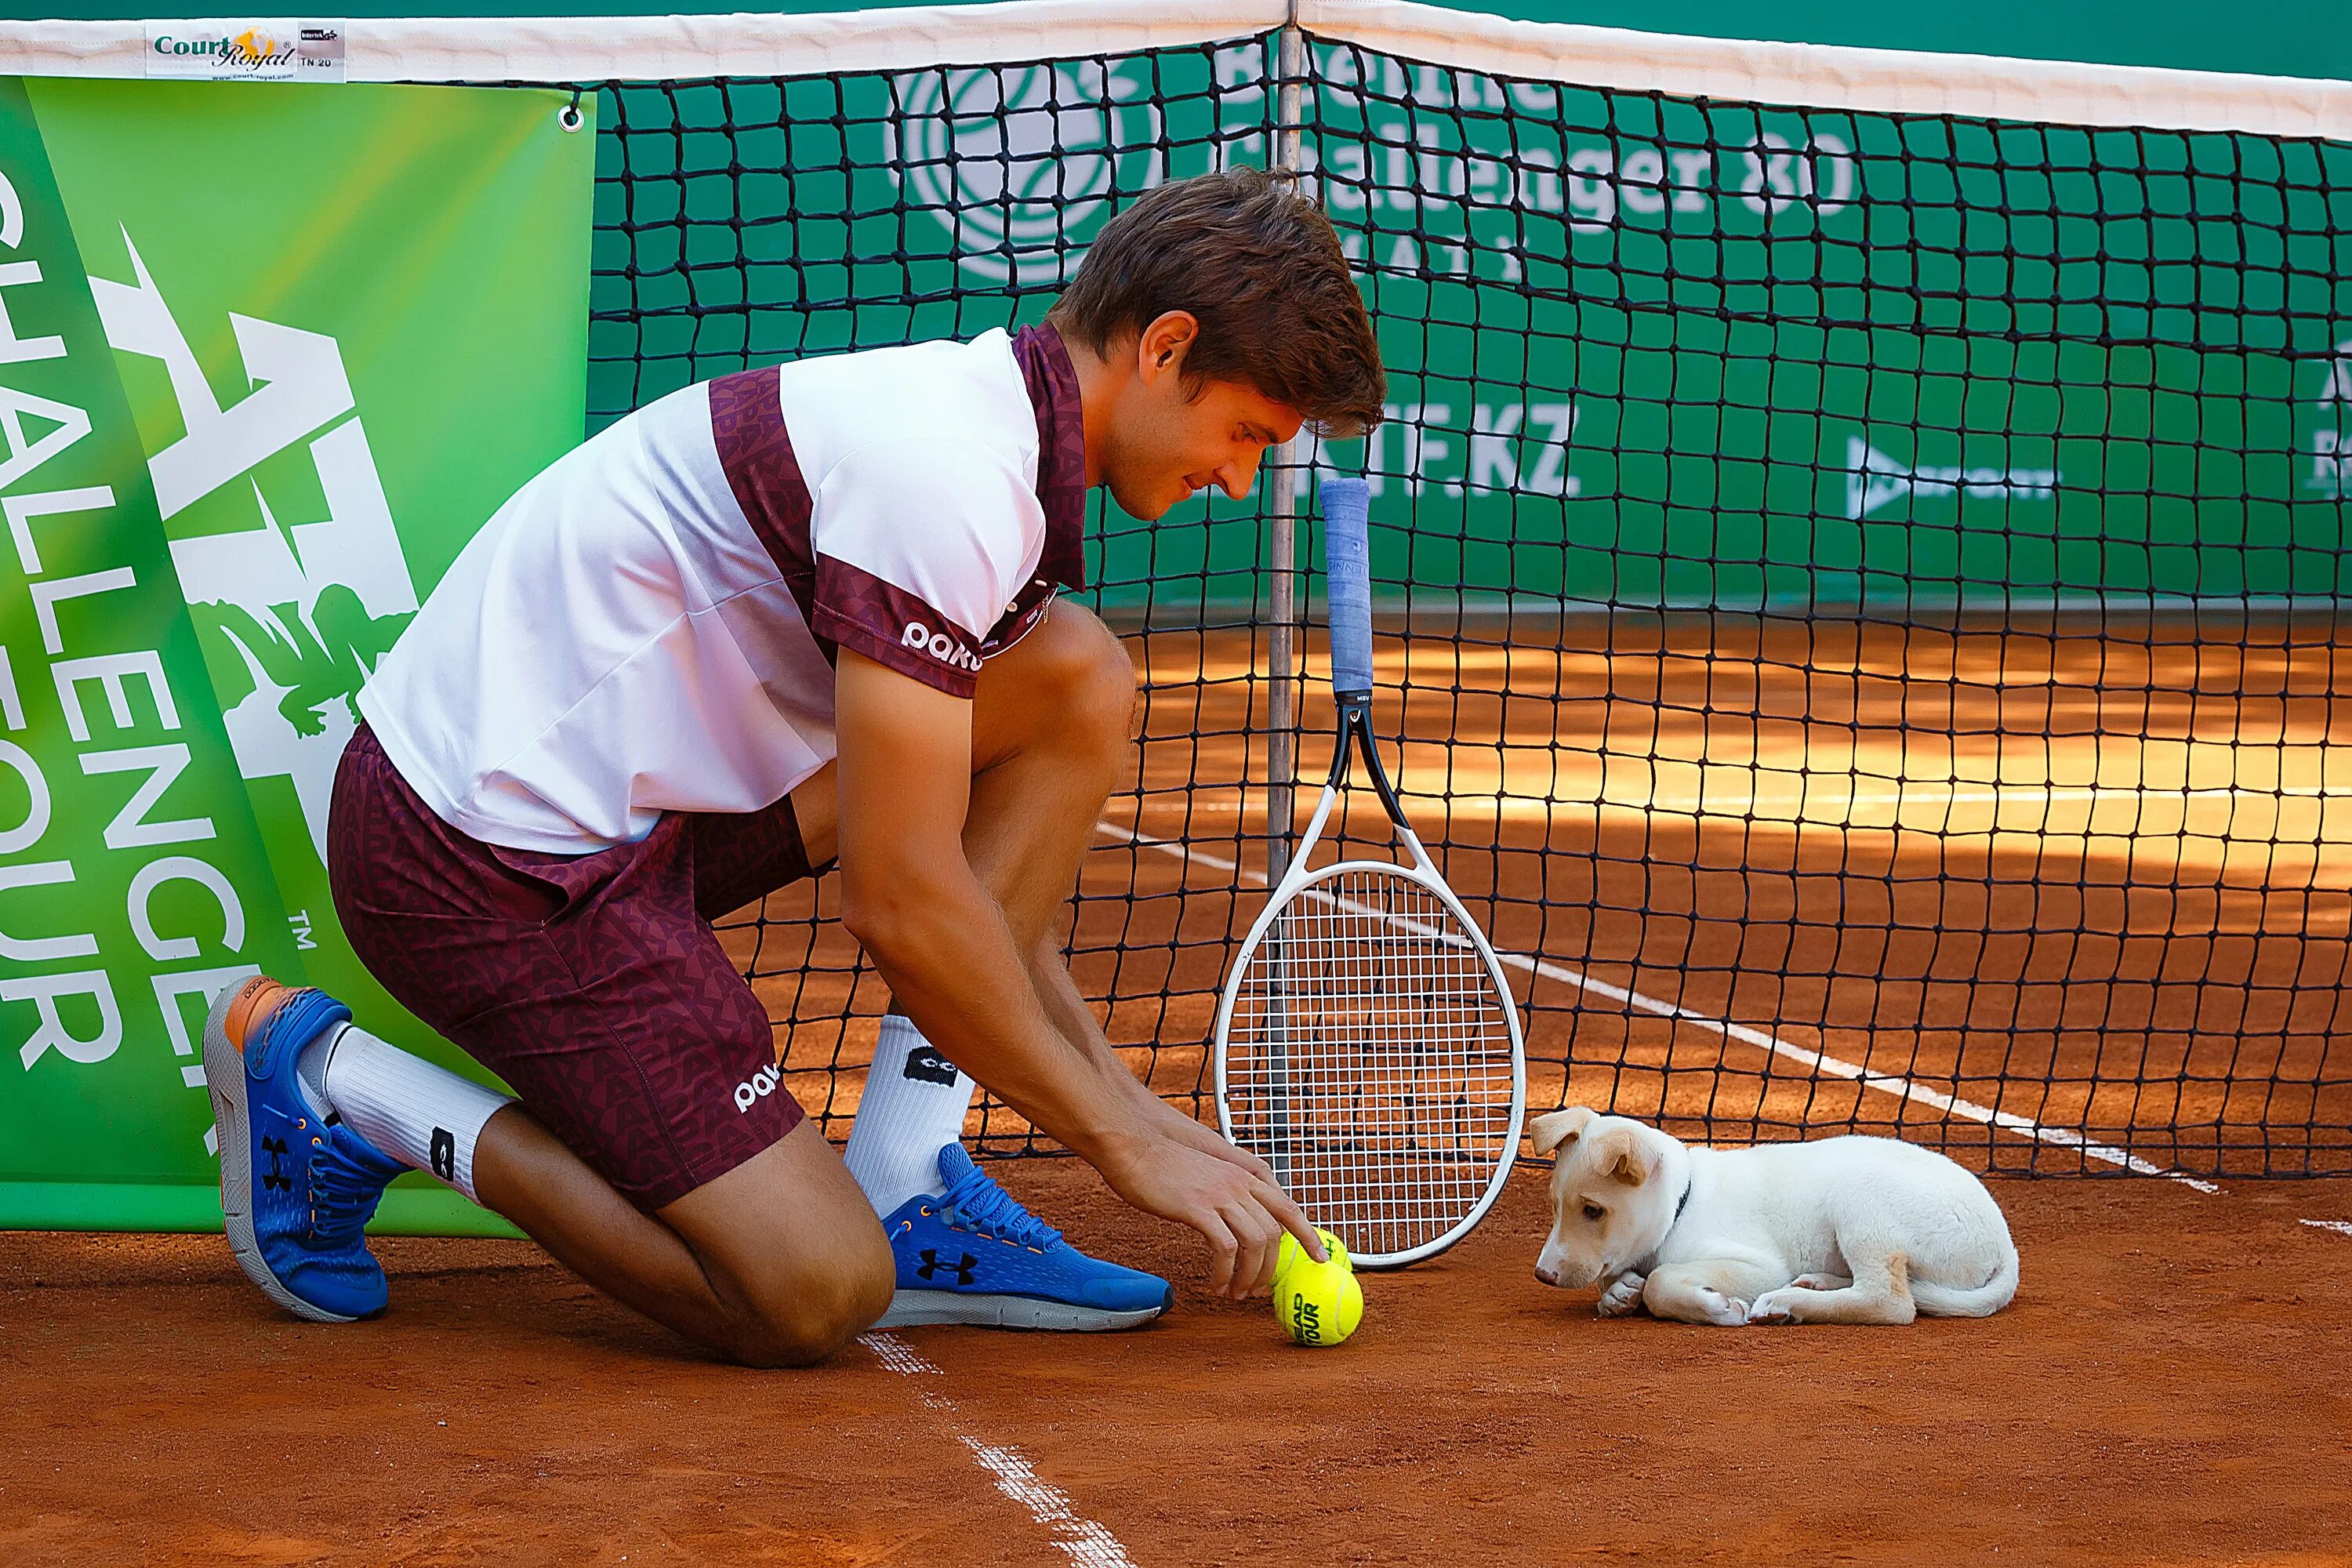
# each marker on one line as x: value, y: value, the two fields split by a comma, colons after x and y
x: 245, y: 50
x: 226, y: 422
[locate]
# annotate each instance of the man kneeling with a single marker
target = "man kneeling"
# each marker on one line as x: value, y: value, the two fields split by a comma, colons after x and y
x: 789, y: 617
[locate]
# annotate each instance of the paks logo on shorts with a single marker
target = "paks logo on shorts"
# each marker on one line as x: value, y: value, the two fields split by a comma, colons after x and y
x: 1021, y: 163
x: 947, y: 649
x: 756, y: 1088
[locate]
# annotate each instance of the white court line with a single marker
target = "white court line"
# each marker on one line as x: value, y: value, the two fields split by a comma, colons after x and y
x: 1903, y: 1088
x: 2343, y: 1226
x: 1085, y: 1542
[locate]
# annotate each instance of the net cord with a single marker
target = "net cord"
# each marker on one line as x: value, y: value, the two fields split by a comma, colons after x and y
x: 1818, y: 75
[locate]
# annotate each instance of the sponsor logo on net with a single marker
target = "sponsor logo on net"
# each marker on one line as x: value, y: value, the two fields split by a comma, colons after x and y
x: 1875, y: 480
x: 939, y: 646
x: 756, y: 1087
x: 247, y: 50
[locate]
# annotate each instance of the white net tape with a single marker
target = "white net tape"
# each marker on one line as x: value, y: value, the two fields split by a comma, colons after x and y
x: 1369, y: 1061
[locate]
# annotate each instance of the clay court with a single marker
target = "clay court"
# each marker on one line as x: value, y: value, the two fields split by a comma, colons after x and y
x: 2170, y: 1386
x: 2080, y: 972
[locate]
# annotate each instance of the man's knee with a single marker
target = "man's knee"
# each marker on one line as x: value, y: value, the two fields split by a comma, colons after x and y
x: 1086, y: 671
x: 805, y: 1325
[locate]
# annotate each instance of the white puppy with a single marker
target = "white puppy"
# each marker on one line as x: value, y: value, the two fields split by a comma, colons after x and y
x: 1845, y: 1230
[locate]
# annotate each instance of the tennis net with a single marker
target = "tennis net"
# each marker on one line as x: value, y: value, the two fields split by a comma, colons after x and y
x: 1859, y: 537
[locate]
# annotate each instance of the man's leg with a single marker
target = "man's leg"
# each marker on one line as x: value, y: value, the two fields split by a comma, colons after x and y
x: 777, y: 1263
x: 1052, y: 736
x: 660, y: 1158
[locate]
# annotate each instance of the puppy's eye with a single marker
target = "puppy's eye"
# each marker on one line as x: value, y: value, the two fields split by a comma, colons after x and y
x: 1595, y: 1213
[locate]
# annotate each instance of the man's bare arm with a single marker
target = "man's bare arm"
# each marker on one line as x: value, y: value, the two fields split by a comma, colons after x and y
x: 909, y: 897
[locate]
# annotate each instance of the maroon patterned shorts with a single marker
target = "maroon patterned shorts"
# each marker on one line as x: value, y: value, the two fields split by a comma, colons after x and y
x: 591, y: 984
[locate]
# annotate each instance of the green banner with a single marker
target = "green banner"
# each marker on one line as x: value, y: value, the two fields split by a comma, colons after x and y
x: 269, y: 357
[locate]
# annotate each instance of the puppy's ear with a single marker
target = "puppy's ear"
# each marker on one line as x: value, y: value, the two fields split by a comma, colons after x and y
x: 1560, y: 1127
x: 1621, y: 1153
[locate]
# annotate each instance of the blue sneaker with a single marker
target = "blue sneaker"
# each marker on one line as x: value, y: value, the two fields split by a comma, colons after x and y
x: 297, y: 1191
x: 972, y: 1255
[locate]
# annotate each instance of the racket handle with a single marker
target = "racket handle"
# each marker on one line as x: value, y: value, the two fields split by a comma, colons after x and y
x: 1347, y: 571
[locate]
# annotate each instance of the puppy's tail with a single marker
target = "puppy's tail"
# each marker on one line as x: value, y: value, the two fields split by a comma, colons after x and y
x: 1983, y: 1301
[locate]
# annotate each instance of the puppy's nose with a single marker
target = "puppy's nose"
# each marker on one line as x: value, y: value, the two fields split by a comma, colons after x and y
x: 1547, y: 1273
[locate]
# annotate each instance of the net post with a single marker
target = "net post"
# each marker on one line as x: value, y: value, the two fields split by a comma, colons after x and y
x: 1282, y: 504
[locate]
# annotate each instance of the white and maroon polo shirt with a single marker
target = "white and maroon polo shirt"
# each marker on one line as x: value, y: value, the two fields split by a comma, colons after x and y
x: 650, y: 626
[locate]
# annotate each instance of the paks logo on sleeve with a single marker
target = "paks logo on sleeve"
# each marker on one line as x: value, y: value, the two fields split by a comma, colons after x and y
x: 275, y: 50
x: 941, y: 645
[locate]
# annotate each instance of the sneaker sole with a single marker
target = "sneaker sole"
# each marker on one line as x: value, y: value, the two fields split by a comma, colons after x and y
x: 225, y: 1077
x: 921, y: 1308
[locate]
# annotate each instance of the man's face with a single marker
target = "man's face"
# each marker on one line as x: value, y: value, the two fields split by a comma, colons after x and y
x: 1167, y: 442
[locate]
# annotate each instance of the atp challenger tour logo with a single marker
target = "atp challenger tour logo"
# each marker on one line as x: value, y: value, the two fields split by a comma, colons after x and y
x: 1016, y: 161
x: 298, y: 610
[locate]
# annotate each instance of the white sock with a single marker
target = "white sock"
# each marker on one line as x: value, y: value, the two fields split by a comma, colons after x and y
x: 424, y: 1116
x: 913, y: 1106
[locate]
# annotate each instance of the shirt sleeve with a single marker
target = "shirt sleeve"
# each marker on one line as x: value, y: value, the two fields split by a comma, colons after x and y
x: 917, y: 551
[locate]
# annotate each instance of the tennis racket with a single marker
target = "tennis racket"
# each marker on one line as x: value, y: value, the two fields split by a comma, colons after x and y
x: 1367, y: 1047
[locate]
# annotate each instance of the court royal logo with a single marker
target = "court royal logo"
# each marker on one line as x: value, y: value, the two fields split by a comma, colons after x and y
x: 1021, y: 163
x: 245, y: 50
x: 939, y: 646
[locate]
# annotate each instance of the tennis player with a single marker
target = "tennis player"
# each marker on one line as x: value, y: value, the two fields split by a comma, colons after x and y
x: 792, y: 616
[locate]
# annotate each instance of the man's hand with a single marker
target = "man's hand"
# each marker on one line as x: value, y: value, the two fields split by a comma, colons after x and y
x: 1238, y: 1210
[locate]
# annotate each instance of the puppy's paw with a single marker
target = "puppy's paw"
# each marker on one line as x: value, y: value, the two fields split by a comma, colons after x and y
x: 1776, y: 1307
x: 1622, y: 1295
x: 1820, y: 1282
x: 1722, y: 1311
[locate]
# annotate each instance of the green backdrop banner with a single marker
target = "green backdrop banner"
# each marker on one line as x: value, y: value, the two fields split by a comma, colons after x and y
x: 268, y: 355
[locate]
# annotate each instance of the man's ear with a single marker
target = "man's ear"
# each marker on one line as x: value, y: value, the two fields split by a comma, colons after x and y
x: 1160, y: 349
x: 1621, y: 1152
x: 1559, y: 1127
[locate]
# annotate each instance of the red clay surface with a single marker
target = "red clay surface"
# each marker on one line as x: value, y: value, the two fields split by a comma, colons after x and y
x: 2173, y: 1385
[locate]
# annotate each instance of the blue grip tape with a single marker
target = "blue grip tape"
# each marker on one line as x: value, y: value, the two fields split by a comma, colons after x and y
x: 1348, y: 566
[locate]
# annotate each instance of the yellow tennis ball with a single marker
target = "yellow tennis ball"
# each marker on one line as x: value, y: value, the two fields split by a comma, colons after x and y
x: 1319, y: 1303
x: 1290, y: 1252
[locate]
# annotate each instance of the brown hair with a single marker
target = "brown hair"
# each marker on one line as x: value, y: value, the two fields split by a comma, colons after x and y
x: 1261, y: 270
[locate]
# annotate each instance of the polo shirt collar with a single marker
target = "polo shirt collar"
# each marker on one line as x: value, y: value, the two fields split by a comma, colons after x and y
x: 1053, y: 382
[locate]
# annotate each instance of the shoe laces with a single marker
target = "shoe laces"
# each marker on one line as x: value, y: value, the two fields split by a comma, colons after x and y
x: 978, y: 1203
x: 344, y: 1193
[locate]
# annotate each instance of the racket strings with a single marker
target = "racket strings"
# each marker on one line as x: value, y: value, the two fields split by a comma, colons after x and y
x: 1369, y: 1060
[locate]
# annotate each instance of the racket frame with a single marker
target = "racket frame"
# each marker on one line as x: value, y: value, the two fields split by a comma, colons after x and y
x: 1355, y: 735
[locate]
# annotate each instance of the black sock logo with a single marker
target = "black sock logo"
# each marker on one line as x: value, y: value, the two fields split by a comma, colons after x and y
x: 925, y: 1064
x: 445, y: 1155
x: 964, y: 1266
